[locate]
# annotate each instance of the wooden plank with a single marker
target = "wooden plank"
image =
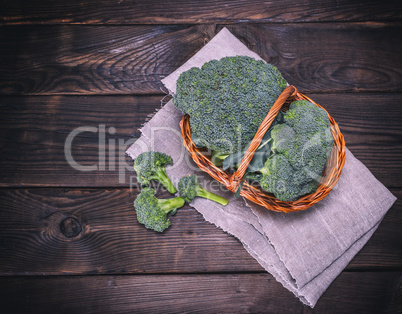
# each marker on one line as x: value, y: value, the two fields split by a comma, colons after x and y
x: 34, y: 130
x: 72, y: 59
x: 147, y: 294
x: 361, y: 293
x: 57, y: 231
x: 92, y: 60
x: 162, y: 12
x: 232, y: 293
x: 350, y: 57
x: 95, y: 231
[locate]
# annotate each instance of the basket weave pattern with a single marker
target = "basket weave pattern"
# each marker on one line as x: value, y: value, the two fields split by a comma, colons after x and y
x: 232, y: 181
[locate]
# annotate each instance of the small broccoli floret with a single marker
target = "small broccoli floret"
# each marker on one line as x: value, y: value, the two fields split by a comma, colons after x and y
x: 152, y: 166
x: 152, y: 212
x: 282, y: 136
x: 189, y: 188
x: 300, y: 148
x: 227, y: 100
x: 306, y: 118
x: 278, y: 177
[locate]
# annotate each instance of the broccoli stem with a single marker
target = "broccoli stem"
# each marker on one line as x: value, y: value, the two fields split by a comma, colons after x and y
x: 163, y: 178
x: 211, y: 196
x: 170, y: 204
x: 218, y: 158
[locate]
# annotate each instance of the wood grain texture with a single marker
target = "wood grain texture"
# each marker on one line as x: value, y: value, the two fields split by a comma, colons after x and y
x: 34, y: 130
x: 70, y: 241
x: 72, y: 59
x: 110, y: 241
x: 172, y: 12
x: 108, y: 238
x: 86, y: 60
x: 219, y: 293
x: 352, y: 57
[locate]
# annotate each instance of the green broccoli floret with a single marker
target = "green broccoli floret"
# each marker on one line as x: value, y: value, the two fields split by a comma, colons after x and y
x: 152, y: 212
x: 189, y: 188
x: 300, y: 148
x: 152, y: 166
x: 281, y: 179
x: 227, y: 100
x: 306, y: 118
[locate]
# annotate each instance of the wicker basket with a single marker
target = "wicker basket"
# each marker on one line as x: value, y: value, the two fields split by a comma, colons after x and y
x: 232, y: 181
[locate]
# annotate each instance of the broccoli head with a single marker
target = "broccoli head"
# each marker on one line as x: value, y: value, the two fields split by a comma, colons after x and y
x: 227, y: 100
x: 189, y: 188
x: 306, y: 118
x: 152, y: 166
x: 300, y: 148
x: 152, y: 212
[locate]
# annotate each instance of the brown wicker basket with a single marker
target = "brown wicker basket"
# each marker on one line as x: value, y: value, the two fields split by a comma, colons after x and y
x: 232, y: 181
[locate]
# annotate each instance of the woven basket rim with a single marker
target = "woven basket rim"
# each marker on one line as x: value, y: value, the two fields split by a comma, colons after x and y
x: 333, y: 169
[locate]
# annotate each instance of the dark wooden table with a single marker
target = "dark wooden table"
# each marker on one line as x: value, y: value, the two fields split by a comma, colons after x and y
x: 88, y: 74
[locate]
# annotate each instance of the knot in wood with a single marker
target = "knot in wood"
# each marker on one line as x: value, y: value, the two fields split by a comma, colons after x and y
x: 70, y: 227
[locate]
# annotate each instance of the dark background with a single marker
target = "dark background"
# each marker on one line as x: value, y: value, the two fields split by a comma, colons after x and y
x: 69, y: 240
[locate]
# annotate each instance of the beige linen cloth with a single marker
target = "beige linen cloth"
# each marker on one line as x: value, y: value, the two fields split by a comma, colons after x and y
x: 305, y: 251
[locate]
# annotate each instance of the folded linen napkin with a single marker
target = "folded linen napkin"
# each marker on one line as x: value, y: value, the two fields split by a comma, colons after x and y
x: 306, y: 250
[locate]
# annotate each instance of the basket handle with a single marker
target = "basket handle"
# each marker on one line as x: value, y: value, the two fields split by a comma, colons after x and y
x: 236, y: 178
